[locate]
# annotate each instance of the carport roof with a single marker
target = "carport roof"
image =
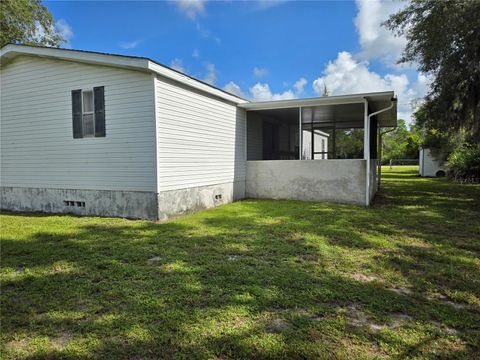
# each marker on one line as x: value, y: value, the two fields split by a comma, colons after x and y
x: 376, y: 101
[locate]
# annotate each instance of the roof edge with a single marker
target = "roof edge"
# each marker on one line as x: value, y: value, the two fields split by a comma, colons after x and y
x: 10, y: 51
x: 324, y: 100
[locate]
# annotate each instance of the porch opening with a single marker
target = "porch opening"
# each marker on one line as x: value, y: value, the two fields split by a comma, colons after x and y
x: 273, y: 134
x: 327, y: 132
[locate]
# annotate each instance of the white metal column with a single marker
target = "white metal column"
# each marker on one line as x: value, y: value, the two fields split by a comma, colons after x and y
x: 300, y: 140
x: 366, y: 152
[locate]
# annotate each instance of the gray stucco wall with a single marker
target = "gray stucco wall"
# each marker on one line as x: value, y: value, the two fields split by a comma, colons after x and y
x: 188, y: 200
x: 340, y: 181
x: 373, y: 178
x: 128, y: 204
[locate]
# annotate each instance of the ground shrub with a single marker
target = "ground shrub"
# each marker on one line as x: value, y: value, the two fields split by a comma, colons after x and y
x: 464, y: 163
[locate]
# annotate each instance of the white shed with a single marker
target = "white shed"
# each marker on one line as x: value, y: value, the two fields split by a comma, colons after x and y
x: 111, y: 135
x: 430, y: 164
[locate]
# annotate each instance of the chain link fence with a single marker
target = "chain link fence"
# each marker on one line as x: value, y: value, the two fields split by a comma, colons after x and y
x: 393, y: 162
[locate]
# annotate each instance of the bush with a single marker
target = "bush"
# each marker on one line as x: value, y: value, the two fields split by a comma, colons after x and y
x: 464, y: 163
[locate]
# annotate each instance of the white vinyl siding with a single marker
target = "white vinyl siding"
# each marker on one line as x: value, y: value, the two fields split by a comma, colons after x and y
x: 200, y: 138
x: 37, y: 145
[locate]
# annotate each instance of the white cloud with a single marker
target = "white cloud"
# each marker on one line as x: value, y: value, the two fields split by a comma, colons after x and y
x: 376, y: 41
x: 61, y: 27
x: 299, y: 85
x: 129, y: 44
x: 346, y: 75
x: 422, y: 86
x: 39, y: 31
x: 211, y: 75
x: 259, y: 72
x: 64, y: 29
x: 177, y: 64
x: 262, y: 92
x: 196, y: 54
x: 234, y: 89
x: 265, y: 4
x: 207, y: 34
x: 190, y: 8
x: 259, y: 92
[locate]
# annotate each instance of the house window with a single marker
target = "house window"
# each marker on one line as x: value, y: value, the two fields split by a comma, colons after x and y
x: 88, y: 115
x: 88, y: 112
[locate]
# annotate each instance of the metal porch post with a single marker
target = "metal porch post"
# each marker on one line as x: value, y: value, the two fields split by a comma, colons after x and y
x: 379, y: 157
x: 366, y: 151
x: 300, y: 145
x: 312, y: 137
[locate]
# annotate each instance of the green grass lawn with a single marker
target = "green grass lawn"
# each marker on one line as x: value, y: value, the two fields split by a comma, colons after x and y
x: 253, y: 279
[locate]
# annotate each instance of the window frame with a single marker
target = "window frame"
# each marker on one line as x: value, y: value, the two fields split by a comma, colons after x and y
x: 91, y: 90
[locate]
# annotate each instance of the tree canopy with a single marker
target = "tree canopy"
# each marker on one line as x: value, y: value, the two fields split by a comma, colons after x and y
x: 27, y: 22
x: 401, y: 143
x: 443, y: 38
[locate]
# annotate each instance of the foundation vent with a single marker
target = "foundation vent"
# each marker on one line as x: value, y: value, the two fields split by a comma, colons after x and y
x: 74, y: 203
x: 218, y: 197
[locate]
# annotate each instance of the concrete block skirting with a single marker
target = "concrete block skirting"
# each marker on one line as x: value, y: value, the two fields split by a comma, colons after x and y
x: 128, y: 204
x: 184, y: 201
x: 342, y: 181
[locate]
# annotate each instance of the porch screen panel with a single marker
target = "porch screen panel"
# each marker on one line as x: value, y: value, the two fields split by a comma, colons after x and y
x: 333, y: 131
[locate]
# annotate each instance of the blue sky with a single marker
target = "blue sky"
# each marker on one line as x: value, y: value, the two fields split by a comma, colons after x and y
x: 260, y: 50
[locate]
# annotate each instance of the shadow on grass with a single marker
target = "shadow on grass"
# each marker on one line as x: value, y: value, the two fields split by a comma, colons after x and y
x: 256, y: 279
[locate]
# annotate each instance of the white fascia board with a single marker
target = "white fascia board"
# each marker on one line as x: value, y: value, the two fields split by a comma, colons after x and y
x: 325, y: 100
x: 191, y: 82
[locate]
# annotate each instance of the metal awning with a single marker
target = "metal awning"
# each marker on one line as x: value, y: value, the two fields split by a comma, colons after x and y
x: 331, y: 106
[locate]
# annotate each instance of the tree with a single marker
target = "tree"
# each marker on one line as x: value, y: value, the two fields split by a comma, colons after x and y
x: 443, y: 37
x: 325, y: 90
x: 401, y: 143
x: 27, y: 22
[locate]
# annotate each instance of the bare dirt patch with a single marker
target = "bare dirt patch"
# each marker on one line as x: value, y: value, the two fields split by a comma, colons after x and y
x: 154, y: 260
x: 357, y: 318
x: 444, y: 300
x: 366, y: 278
x: 456, y: 305
x: 277, y: 325
x: 59, y: 343
x: 17, y: 345
x: 446, y: 329
x: 401, y: 291
x: 398, y: 320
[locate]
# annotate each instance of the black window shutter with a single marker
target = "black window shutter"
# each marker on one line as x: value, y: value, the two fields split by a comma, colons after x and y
x: 77, y: 114
x: 99, y: 101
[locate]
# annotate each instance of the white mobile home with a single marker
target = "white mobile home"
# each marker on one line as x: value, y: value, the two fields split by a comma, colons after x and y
x: 100, y: 134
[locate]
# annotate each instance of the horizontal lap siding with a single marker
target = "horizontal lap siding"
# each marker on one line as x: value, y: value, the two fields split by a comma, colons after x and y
x: 200, y: 139
x: 37, y: 145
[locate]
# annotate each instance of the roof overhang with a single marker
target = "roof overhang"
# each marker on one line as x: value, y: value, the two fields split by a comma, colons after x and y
x: 11, y: 51
x: 376, y: 101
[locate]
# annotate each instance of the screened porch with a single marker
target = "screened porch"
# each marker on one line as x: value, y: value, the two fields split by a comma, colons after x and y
x: 283, y: 137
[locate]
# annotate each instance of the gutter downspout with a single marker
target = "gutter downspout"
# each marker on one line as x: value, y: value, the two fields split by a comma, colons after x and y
x: 423, y: 161
x: 367, y: 129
